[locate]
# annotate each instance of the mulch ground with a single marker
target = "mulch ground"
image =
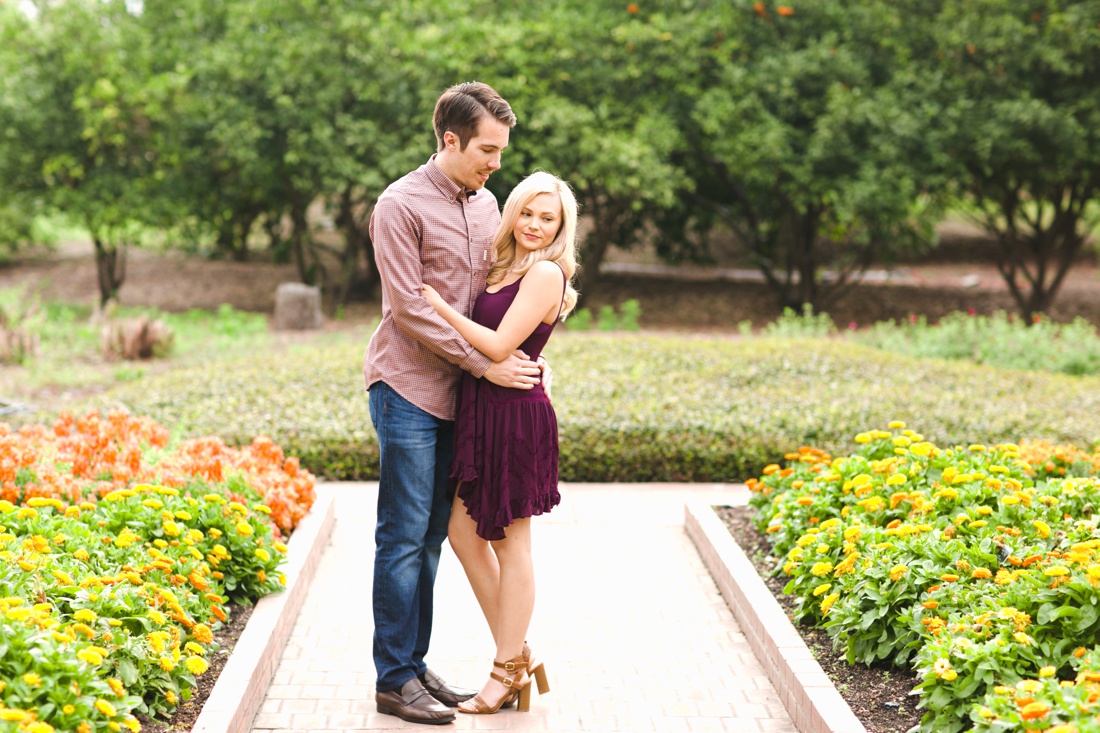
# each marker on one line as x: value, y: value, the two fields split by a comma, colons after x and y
x: 878, y: 696
x: 186, y: 714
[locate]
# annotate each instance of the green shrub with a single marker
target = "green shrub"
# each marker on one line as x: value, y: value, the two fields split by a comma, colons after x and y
x: 579, y: 320
x: 1000, y: 340
x: 639, y: 407
x: 626, y: 319
x: 607, y: 320
x: 805, y: 325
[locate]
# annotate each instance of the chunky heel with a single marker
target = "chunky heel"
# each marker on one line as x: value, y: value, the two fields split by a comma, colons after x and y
x: 524, y: 705
x: 540, y: 678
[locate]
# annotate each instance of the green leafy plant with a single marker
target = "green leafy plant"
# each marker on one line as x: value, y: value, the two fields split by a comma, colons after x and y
x: 1000, y: 340
x: 804, y: 325
x: 977, y: 563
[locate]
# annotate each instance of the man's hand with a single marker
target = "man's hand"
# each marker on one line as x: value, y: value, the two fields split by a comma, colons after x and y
x: 547, y: 376
x: 515, y: 372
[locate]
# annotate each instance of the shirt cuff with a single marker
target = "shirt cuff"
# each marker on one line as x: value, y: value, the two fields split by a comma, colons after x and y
x: 476, y: 363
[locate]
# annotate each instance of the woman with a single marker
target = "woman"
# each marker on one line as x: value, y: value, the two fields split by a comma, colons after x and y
x: 505, y: 467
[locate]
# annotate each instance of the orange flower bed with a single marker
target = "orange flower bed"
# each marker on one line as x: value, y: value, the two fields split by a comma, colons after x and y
x: 81, y: 459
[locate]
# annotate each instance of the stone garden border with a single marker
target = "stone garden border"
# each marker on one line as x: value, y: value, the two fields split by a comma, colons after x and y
x: 242, y: 685
x: 809, y: 695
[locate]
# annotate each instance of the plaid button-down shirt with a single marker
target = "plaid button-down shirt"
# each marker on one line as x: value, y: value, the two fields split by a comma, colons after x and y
x: 428, y: 229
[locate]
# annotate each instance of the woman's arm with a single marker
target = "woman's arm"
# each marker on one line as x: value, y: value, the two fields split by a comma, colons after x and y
x: 538, y: 299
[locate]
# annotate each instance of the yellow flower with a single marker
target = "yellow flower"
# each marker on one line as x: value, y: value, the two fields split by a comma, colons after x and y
x: 896, y: 480
x: 85, y: 614
x: 263, y: 555
x: 1022, y: 638
x: 14, y: 715
x: 244, y: 528
x: 106, y: 708
x: 896, y: 425
x: 84, y: 629
x: 167, y: 664
x: 81, y: 554
x: 981, y: 574
x: 1042, y: 528
x: 950, y: 675
x: 822, y: 589
x: 116, y: 686
x: 1047, y: 671
x: 828, y: 602
x: 196, y: 665
x: 170, y: 696
x: 32, y: 679
x: 898, y: 572
x: 90, y: 656
x: 157, y: 640
x: 1056, y: 571
x: 821, y: 568
x: 172, y: 529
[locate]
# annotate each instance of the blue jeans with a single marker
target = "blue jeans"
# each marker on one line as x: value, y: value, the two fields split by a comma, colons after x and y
x: 413, y: 511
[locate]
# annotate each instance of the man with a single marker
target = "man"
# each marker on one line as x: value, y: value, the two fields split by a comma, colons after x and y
x: 435, y: 226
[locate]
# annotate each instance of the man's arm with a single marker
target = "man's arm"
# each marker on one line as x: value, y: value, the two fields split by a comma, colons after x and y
x: 396, y: 236
x: 395, y: 233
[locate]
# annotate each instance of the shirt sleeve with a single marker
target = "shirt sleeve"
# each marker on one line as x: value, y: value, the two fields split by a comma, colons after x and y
x: 395, y: 233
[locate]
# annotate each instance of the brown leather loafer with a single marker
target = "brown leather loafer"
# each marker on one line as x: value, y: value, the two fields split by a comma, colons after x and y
x: 413, y: 703
x: 444, y: 693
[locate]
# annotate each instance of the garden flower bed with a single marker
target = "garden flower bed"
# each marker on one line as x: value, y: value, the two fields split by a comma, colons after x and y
x: 118, y: 556
x: 975, y: 565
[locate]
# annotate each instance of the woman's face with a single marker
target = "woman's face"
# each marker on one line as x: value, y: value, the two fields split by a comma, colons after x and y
x: 537, y: 224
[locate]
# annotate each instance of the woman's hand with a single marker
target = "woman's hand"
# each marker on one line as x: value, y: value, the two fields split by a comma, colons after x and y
x: 431, y: 296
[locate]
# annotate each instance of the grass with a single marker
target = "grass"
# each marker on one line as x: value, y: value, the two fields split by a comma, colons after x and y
x: 631, y: 406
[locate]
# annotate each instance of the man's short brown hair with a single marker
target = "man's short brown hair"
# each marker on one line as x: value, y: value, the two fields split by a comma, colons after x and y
x: 460, y: 109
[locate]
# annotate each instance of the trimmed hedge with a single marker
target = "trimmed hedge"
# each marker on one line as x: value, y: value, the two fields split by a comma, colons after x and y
x: 635, y: 407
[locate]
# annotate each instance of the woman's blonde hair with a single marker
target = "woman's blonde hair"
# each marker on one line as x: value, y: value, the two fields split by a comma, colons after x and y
x: 563, y: 250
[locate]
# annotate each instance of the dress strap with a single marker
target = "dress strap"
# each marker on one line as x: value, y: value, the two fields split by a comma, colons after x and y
x: 564, y: 283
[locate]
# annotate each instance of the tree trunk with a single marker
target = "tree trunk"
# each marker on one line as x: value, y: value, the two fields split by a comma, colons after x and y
x: 614, y: 222
x: 1039, y: 257
x: 110, y: 263
x: 358, y: 248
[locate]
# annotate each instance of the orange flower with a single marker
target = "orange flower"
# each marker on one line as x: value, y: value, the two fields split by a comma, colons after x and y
x: 632, y: 8
x: 759, y: 9
x: 1034, y: 710
x: 784, y: 11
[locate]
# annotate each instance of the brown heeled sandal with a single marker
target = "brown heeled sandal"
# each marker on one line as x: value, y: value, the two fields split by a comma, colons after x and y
x: 538, y: 671
x: 519, y: 684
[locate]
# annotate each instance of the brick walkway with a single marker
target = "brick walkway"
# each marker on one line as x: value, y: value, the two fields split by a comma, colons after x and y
x: 633, y: 632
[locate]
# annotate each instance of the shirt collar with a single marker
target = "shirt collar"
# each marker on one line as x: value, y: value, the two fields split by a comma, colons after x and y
x: 443, y: 182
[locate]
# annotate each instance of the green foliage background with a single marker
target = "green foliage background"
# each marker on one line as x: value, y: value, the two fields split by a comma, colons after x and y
x: 643, y: 408
x: 825, y: 134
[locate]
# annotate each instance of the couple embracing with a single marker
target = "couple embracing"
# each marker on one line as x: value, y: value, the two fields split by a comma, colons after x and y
x: 459, y: 397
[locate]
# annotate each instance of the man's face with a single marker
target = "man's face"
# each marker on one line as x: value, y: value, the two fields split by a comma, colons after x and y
x: 473, y: 166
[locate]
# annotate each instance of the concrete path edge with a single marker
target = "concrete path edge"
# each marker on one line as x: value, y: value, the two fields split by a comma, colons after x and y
x: 809, y: 695
x: 243, y: 682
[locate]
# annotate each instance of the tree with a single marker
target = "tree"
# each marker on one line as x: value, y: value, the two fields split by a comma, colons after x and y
x: 804, y: 138
x: 91, y: 147
x: 589, y: 111
x: 1022, y: 125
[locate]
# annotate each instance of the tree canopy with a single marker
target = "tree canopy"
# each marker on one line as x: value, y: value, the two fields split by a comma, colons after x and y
x: 823, y: 137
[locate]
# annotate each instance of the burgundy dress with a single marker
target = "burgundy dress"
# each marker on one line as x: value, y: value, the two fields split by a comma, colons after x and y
x: 506, y: 440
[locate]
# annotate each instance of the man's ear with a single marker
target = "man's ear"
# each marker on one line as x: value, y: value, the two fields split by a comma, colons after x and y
x: 450, y: 141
